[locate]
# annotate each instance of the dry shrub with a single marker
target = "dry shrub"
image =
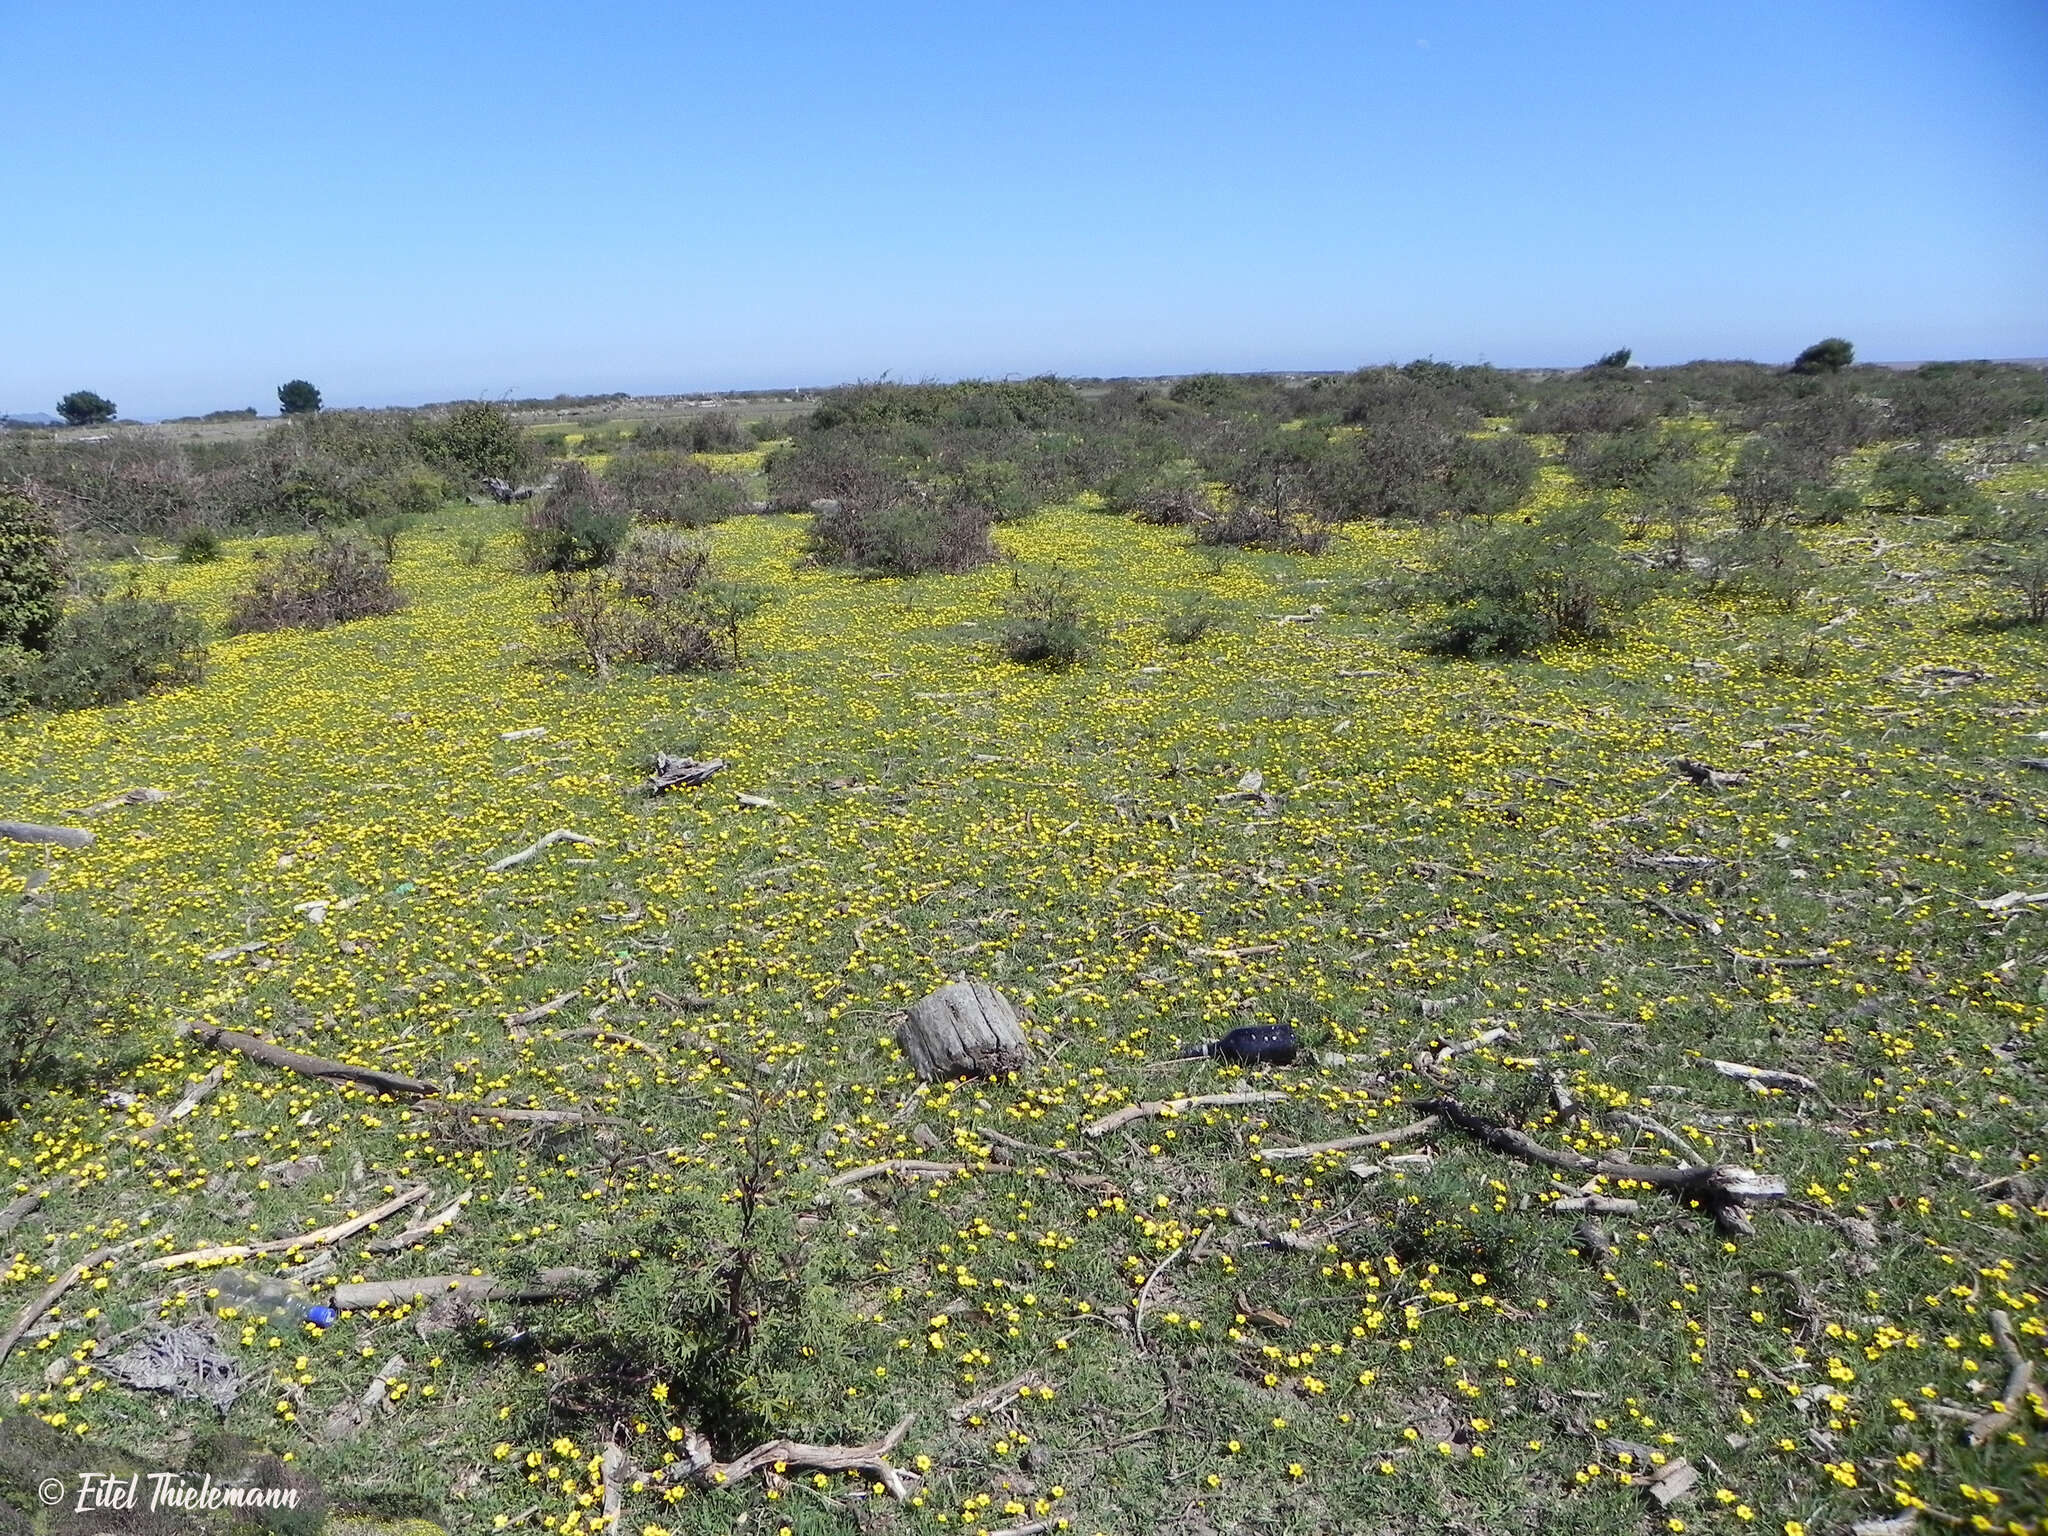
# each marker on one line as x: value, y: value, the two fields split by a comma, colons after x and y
x: 334, y: 581
x: 661, y: 605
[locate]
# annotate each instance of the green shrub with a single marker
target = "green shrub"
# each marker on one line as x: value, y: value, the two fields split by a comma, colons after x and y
x: 336, y: 581
x: 202, y: 546
x: 1514, y: 588
x: 1489, y: 476
x: 1168, y: 494
x: 1046, y: 622
x: 1769, y: 562
x: 2016, y: 557
x: 1245, y: 525
x: 577, y: 526
x: 903, y: 535
x: 68, y: 990
x: 711, y: 432
x: 661, y: 486
x: 111, y: 650
x: 31, y: 572
x: 1915, y: 480
x: 766, y: 431
x: 660, y: 604
x: 474, y: 441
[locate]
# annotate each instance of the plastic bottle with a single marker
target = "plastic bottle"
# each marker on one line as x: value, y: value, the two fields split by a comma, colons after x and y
x: 1252, y: 1044
x: 267, y: 1296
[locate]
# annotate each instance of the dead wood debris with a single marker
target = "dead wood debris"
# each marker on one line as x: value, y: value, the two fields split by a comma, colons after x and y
x: 617, y: 1037
x: 1707, y: 777
x: 672, y: 772
x: 995, y: 1399
x: 1764, y: 1078
x: 535, y: 849
x: 29, y: 832
x: 19, y: 1208
x: 540, y: 1011
x: 1412, y: 1132
x: 1131, y: 1112
x: 338, y: 1232
x: 2019, y: 1382
x: 77, y: 1272
x: 431, y: 1227
x: 1721, y: 1188
x: 183, y: 1361
x: 548, y: 1285
x: 908, y: 1167
x: 311, y: 1066
x: 697, y: 1463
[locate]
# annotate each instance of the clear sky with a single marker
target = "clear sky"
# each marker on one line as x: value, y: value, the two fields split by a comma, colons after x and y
x: 407, y: 202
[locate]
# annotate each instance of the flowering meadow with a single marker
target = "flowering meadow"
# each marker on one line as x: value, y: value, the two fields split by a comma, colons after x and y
x: 1483, y: 882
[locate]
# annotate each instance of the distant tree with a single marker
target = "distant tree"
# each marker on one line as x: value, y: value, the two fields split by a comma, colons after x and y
x: 1618, y: 358
x: 297, y: 398
x: 1829, y: 356
x: 83, y: 408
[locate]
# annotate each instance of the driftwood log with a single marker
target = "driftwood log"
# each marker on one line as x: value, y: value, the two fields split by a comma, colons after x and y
x: 965, y: 1029
x: 29, y: 832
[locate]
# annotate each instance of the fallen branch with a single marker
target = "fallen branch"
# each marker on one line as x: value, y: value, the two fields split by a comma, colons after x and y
x: 540, y: 1011
x: 1145, y: 1290
x: 910, y: 1167
x: 77, y: 1272
x: 1460, y: 1047
x: 669, y: 772
x: 198, y: 1093
x: 823, y: 1458
x: 63, y: 837
x: 1658, y: 1128
x: 1706, y: 925
x: 1391, y: 1138
x: 311, y: 1066
x: 529, y: 1116
x: 1598, y: 1205
x: 995, y: 1399
x: 1151, y: 1107
x: 1761, y: 1078
x: 548, y: 1285
x: 559, y: 835
x: 426, y: 1229
x: 19, y: 1208
x: 1721, y: 1187
x: 319, y: 1238
x: 2003, y: 1414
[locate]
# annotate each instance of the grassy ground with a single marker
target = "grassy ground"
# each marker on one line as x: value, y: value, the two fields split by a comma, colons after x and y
x: 1228, y: 1343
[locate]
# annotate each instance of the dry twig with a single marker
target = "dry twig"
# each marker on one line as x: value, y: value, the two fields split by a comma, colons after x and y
x: 1130, y: 1112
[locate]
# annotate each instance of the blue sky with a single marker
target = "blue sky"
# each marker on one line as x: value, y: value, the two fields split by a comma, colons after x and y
x: 423, y: 201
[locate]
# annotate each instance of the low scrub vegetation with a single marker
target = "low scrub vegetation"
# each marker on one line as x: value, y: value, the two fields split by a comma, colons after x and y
x: 335, y: 580
x: 661, y: 604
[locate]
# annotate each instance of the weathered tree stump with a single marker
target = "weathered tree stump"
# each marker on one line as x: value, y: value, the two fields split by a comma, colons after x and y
x: 965, y: 1029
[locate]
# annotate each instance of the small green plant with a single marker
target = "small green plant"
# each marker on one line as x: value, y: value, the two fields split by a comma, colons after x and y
x: 201, y: 546
x: 335, y: 581
x: 469, y: 549
x: 1046, y: 622
x: 1770, y: 562
x: 67, y: 1000
x: 31, y: 572
x: 2016, y: 557
x: 1187, y: 623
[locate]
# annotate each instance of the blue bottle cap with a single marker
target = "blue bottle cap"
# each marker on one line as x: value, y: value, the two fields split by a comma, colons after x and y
x: 321, y: 1317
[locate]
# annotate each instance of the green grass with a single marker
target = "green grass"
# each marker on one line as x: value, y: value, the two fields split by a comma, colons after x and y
x: 1448, y: 849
